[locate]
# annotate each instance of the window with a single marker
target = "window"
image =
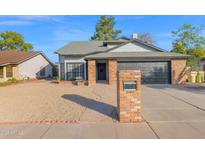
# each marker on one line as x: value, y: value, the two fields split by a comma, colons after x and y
x: 9, y: 72
x: 75, y: 71
x: 1, y: 72
x: 42, y: 71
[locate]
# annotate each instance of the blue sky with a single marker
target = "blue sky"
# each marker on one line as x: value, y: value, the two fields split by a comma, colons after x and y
x: 48, y: 33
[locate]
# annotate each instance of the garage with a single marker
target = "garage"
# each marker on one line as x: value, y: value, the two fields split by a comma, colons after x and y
x: 154, y: 72
x: 157, y: 66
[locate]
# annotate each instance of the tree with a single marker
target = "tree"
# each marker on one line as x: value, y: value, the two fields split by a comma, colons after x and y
x: 189, y: 40
x: 147, y: 38
x: 105, y: 29
x: 10, y: 40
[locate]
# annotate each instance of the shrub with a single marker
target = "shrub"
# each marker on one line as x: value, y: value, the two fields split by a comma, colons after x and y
x: 13, y: 80
x: 3, y: 84
x: 58, y: 78
x: 8, y: 82
x: 72, y: 79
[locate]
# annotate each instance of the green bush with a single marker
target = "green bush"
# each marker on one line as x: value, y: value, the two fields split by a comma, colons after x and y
x: 8, y: 82
x: 58, y: 78
x: 3, y: 84
x: 72, y: 79
x: 13, y: 80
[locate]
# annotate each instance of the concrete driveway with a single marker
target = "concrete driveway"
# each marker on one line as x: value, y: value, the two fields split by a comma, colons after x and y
x: 175, y: 111
x: 169, y: 112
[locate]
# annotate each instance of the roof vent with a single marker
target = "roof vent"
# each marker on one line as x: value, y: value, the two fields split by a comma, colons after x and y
x: 134, y: 36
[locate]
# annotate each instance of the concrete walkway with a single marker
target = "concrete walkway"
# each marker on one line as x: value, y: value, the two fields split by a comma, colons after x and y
x: 84, y: 130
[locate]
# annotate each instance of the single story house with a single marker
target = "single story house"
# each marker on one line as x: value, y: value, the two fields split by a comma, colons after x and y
x: 202, y: 65
x: 100, y: 60
x: 24, y: 65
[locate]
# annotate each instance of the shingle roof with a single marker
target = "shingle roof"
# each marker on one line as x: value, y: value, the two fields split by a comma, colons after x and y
x: 95, y: 49
x: 154, y: 54
x: 82, y: 48
x: 92, y: 47
x: 117, y: 41
x: 16, y: 57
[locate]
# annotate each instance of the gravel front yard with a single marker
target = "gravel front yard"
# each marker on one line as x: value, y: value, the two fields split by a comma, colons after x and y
x: 42, y: 100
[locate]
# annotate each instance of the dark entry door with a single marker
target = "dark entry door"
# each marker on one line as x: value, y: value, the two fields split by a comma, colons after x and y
x: 101, y: 67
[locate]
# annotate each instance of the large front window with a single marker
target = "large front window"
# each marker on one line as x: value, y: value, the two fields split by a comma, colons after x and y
x: 75, y: 71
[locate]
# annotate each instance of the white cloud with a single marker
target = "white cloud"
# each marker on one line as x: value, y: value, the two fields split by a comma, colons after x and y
x: 130, y: 17
x: 167, y: 35
x: 34, y: 17
x: 163, y: 34
x: 27, y: 20
x: 65, y: 34
x: 14, y: 23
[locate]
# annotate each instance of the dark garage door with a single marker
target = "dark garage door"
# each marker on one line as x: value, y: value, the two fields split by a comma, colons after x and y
x: 152, y: 72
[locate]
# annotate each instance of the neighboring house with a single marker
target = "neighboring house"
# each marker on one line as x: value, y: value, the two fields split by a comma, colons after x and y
x: 100, y: 60
x: 24, y: 65
x: 202, y: 65
x: 55, y: 70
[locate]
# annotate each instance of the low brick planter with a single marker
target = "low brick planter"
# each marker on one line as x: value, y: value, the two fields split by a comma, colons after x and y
x: 77, y: 83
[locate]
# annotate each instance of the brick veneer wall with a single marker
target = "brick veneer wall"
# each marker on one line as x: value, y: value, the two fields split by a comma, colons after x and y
x: 112, y: 67
x: 129, y: 102
x: 91, y: 72
x: 178, y: 71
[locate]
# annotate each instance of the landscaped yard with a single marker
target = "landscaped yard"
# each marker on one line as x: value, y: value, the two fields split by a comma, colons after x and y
x: 45, y: 101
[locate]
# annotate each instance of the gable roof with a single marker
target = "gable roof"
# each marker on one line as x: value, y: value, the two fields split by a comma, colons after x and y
x: 83, y: 48
x: 157, y: 53
x: 155, y: 48
x: 17, y: 57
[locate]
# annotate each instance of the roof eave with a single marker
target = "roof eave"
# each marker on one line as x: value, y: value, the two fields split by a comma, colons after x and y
x: 5, y: 64
x: 162, y: 57
x: 21, y: 61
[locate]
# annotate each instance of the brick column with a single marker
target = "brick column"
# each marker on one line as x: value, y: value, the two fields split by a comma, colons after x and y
x: 178, y: 71
x: 91, y: 72
x: 129, y: 101
x: 112, y: 68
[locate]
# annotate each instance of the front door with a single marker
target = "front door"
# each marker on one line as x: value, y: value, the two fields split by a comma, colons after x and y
x: 101, y: 67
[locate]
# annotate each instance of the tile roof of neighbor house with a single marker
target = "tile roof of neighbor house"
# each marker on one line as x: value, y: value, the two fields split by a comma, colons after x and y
x: 16, y: 57
x: 139, y: 54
